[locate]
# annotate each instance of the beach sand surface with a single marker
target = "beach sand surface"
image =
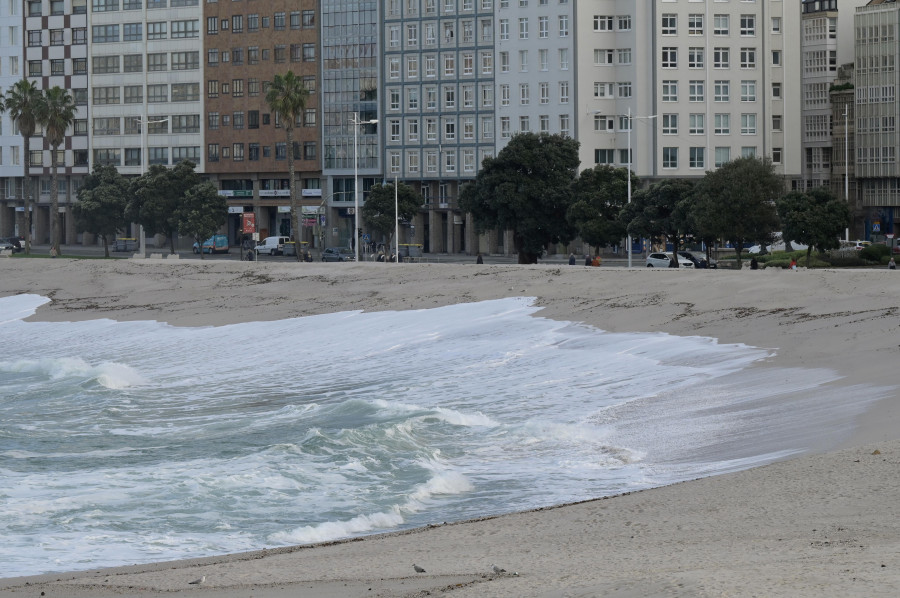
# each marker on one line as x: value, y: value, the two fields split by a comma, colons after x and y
x: 818, y: 525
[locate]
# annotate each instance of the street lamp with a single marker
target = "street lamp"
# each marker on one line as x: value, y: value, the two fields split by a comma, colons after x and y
x: 145, y: 122
x: 630, y: 126
x: 356, y: 124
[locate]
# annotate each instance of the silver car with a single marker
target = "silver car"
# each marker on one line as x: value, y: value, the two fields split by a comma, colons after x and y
x: 661, y: 260
x: 338, y: 254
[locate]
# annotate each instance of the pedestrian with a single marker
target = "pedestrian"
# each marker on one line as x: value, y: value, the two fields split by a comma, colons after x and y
x: 587, y: 260
x: 571, y: 259
x: 479, y: 259
x: 892, y: 265
x: 754, y: 265
x: 53, y: 251
x: 793, y: 264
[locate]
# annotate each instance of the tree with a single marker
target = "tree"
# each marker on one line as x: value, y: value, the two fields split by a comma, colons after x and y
x: 201, y: 212
x: 100, y: 209
x: 56, y: 112
x: 156, y: 195
x: 815, y: 218
x: 661, y: 210
x: 527, y: 189
x: 378, y: 211
x: 599, y: 195
x: 737, y: 201
x: 21, y: 102
x: 286, y: 97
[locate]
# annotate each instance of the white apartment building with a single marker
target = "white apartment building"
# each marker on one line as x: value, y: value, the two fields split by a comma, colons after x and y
x: 145, y: 67
x: 826, y: 43
x: 711, y: 80
x: 536, y: 66
x: 11, y: 164
x: 55, y: 54
x: 876, y: 82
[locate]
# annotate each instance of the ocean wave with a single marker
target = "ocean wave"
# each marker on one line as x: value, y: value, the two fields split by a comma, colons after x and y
x: 111, y: 375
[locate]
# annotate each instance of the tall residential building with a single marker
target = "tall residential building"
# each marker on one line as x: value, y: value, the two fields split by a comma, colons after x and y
x: 876, y: 82
x: 11, y: 164
x: 246, y: 45
x: 56, y: 54
x: 704, y: 81
x: 826, y: 43
x: 350, y: 87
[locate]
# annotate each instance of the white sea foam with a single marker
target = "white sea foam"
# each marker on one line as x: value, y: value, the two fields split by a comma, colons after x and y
x: 135, y: 441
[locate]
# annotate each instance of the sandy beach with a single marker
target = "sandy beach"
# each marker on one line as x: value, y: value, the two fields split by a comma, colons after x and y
x: 818, y: 525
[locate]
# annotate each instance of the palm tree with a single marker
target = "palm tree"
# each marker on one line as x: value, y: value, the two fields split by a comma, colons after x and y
x: 21, y: 102
x: 56, y: 112
x: 287, y: 97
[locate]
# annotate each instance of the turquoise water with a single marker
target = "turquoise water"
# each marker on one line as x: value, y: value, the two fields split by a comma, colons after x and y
x: 126, y: 442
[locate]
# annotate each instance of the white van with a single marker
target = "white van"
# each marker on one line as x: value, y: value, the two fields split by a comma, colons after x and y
x: 272, y: 245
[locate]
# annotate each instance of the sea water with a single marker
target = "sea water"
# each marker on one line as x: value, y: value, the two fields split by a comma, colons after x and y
x: 128, y: 442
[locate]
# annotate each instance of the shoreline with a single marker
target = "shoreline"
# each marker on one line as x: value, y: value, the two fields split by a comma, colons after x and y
x: 671, y: 540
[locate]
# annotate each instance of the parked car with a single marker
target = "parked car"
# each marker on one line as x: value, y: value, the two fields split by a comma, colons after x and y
x: 214, y: 244
x: 662, y: 260
x: 272, y: 245
x: 856, y: 245
x: 11, y: 243
x: 698, y: 259
x: 338, y: 254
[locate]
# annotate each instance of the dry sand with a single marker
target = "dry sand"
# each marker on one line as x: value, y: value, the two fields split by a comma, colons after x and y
x: 818, y: 525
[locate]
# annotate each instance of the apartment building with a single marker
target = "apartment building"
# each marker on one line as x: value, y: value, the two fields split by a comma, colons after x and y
x: 11, y: 162
x: 350, y: 93
x: 877, y: 55
x: 246, y: 44
x: 55, y: 41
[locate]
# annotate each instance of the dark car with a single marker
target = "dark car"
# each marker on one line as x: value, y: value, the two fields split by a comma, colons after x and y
x: 699, y: 260
x: 12, y: 243
x: 338, y: 254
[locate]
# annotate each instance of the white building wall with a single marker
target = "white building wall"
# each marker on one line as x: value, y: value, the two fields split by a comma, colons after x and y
x: 535, y: 67
x: 11, y: 164
x: 123, y: 134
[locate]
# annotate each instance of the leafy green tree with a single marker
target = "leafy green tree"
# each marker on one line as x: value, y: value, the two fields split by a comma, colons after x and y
x: 56, y: 113
x: 201, y: 213
x: 378, y: 211
x: 736, y: 202
x: 815, y: 218
x: 100, y: 209
x: 22, y: 102
x: 600, y: 193
x: 527, y: 189
x: 287, y: 97
x: 661, y: 210
x: 156, y: 195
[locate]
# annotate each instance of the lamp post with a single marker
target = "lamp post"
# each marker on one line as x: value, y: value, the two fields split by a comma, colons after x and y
x: 630, y: 126
x: 356, y: 124
x: 145, y: 122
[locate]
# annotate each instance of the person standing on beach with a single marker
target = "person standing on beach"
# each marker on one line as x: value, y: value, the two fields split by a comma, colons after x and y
x: 571, y: 259
x: 587, y: 259
x: 892, y: 265
x: 479, y: 259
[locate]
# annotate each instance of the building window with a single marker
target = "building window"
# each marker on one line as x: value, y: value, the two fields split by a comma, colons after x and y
x: 776, y: 155
x: 748, y: 58
x: 670, y: 57
x: 722, y: 124
x: 748, y: 25
x: 695, y: 24
x: 670, y: 124
x: 721, y: 90
x: 697, y: 157
x: 723, y: 155
x: 748, y: 91
x: 670, y: 91
x: 697, y: 124
x: 670, y: 157
x: 669, y: 24
x: 157, y: 30
x: 695, y: 58
x: 748, y: 124
x: 721, y: 58
x: 720, y: 25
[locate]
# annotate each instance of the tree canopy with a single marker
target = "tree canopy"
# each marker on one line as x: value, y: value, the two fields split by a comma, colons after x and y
x: 287, y: 97
x: 155, y: 197
x: 599, y: 195
x: 661, y: 210
x: 100, y: 209
x: 815, y: 218
x: 378, y: 211
x: 21, y: 101
x: 201, y: 212
x: 736, y: 202
x: 55, y: 113
x: 526, y: 189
